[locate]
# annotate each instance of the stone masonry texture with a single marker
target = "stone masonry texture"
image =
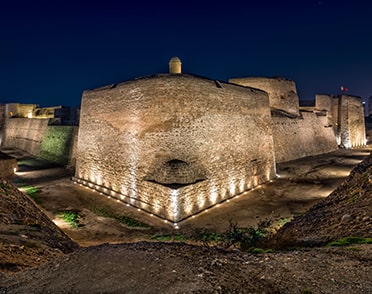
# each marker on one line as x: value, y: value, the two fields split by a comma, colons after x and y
x: 302, y: 136
x: 345, y: 114
x: 37, y: 137
x: 174, y: 145
x: 282, y: 92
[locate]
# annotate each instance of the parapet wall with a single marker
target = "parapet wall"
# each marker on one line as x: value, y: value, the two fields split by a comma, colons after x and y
x: 174, y: 145
x: 302, y: 136
x: 37, y: 137
x: 282, y: 92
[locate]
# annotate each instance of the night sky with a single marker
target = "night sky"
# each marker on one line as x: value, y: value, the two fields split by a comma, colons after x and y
x: 51, y: 51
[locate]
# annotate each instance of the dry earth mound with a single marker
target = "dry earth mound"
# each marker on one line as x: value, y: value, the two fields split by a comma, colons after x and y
x: 27, y: 237
x: 180, y: 268
x: 346, y: 212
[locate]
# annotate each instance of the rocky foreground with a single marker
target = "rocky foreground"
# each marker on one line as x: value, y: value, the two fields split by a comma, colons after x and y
x: 27, y: 236
x: 346, y: 212
x: 36, y: 257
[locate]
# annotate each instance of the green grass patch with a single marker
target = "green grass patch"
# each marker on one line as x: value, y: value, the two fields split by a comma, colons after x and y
x: 130, y: 222
x: 256, y: 250
x: 283, y: 221
x: 354, y: 196
x: 32, y: 192
x: 71, y: 217
x: 353, y: 249
x: 123, y: 219
x: 102, y: 211
x: 350, y: 240
x: 168, y: 237
x: 209, y: 236
x: 244, y: 238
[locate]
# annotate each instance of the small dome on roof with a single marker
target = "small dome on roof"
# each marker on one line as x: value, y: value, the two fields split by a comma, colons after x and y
x: 175, y: 65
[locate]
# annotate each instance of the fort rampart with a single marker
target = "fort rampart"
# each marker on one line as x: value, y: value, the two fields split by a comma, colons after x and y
x: 175, y: 144
x: 301, y: 136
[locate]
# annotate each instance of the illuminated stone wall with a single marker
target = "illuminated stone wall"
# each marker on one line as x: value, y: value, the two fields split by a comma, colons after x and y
x: 351, y: 126
x: 24, y: 133
x: 282, y: 92
x: 296, y: 134
x: 174, y: 145
x: 329, y: 104
x: 73, y: 148
x: 35, y: 136
x: 302, y: 136
x: 346, y: 114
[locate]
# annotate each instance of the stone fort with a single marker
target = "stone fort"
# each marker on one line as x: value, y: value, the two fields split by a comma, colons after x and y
x: 175, y: 144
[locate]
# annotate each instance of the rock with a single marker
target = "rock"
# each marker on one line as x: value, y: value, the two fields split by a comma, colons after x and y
x: 346, y: 218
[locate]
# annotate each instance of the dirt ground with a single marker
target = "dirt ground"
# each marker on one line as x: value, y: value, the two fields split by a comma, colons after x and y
x: 125, y: 260
x: 300, y: 184
x: 181, y: 268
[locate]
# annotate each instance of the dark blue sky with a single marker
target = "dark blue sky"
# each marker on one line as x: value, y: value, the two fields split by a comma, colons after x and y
x: 51, y: 51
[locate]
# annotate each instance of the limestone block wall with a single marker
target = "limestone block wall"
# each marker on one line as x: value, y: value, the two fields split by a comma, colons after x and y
x: 303, y: 136
x: 328, y: 103
x: 282, y: 92
x: 24, y: 133
x: 38, y: 138
x: 324, y: 102
x: 174, y: 145
x: 351, y: 126
x: 346, y: 114
x: 73, y: 148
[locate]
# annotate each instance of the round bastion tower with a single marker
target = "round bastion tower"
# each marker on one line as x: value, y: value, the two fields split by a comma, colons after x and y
x: 175, y: 65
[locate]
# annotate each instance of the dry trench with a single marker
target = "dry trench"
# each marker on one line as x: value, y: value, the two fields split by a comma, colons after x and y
x: 299, y: 185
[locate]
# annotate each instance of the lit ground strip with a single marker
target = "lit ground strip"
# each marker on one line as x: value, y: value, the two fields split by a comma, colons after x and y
x: 109, y: 194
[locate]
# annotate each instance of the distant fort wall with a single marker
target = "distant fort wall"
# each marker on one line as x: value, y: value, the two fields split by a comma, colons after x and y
x: 306, y: 135
x: 37, y: 137
x: 282, y: 92
x: 25, y: 134
x: 345, y: 113
x: 296, y: 134
x: 352, y: 114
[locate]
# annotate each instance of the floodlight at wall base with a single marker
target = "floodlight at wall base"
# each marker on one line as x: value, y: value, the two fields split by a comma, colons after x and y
x: 120, y: 198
